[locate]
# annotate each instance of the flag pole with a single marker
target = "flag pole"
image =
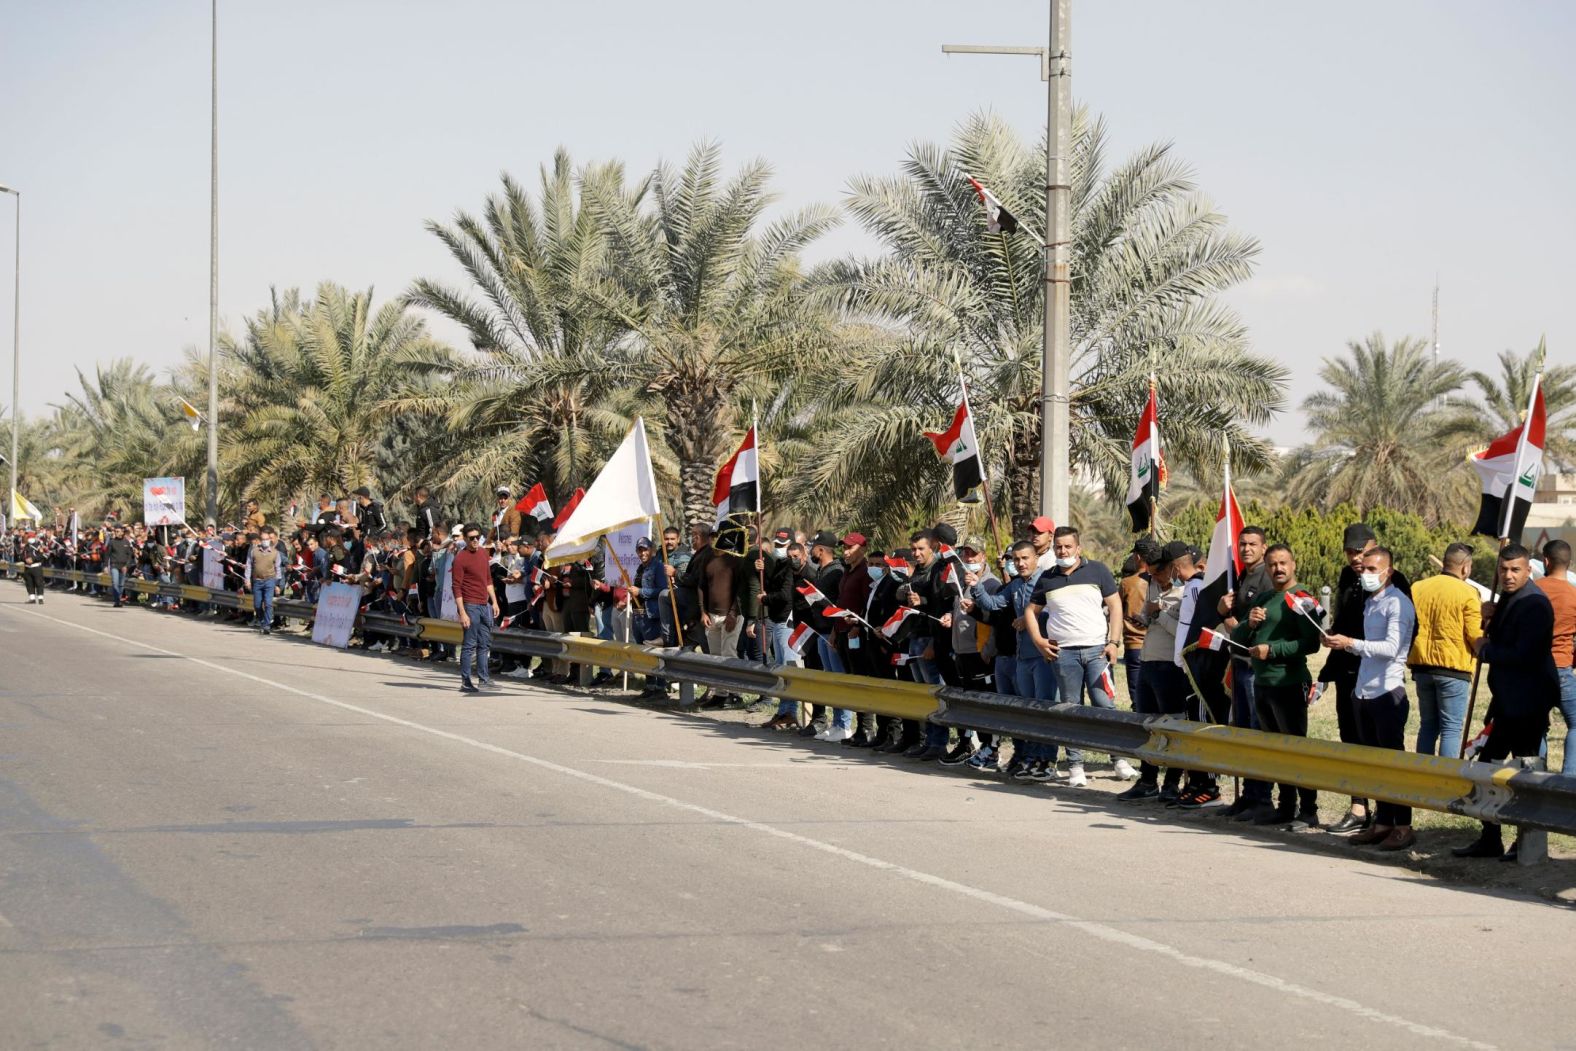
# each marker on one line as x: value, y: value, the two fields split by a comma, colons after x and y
x: 761, y: 635
x: 990, y: 510
x: 1504, y: 537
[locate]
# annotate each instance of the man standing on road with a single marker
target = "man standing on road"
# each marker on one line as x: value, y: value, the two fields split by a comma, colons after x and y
x: 265, y: 564
x: 1082, y: 613
x: 470, y: 575
x: 1379, y: 698
x: 1518, y: 647
x: 1163, y: 689
x: 1279, y: 640
x: 1253, y: 582
x: 1449, y: 623
x: 121, y: 556
x: 1346, y: 618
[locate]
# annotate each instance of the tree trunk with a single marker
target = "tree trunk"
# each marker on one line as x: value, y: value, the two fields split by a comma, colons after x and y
x: 692, y: 428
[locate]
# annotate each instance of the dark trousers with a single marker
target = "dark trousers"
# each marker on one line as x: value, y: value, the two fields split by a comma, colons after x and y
x: 1381, y: 723
x: 1511, y: 736
x: 1284, y: 710
x: 33, y: 578
x: 1346, y: 720
x: 1162, y: 690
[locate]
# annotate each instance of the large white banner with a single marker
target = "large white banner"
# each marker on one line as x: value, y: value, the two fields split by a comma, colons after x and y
x: 337, y: 606
x: 163, y: 501
x: 213, y: 566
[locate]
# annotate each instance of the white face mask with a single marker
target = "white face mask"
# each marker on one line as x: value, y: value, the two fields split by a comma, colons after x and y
x: 973, y: 567
x: 1370, y: 581
x: 1067, y: 563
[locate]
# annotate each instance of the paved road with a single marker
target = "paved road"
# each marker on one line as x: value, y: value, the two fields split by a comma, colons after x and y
x: 213, y: 839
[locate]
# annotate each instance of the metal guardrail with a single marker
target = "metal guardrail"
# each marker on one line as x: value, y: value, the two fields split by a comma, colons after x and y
x: 1504, y: 793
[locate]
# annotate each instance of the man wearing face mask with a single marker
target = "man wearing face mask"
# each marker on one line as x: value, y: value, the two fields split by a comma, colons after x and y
x: 804, y: 572
x: 1007, y: 606
x: 1081, y: 633
x: 879, y: 608
x: 1346, y: 618
x: 853, y: 594
x: 264, y: 562
x: 1379, y: 698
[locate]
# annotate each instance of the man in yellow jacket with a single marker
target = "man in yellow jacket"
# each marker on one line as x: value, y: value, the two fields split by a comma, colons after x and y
x: 1449, y: 623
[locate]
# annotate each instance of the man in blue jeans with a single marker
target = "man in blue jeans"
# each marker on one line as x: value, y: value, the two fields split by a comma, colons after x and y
x: 1075, y: 621
x: 266, y: 563
x: 1562, y: 595
x: 121, y: 556
x: 1011, y: 601
x: 470, y: 575
x: 1449, y: 623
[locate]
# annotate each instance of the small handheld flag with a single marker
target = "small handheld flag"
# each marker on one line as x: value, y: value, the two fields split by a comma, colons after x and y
x: 839, y: 611
x: 812, y: 594
x: 895, y: 622
x: 800, y: 637
x: 1215, y: 640
x: 1107, y: 683
x: 1475, y: 745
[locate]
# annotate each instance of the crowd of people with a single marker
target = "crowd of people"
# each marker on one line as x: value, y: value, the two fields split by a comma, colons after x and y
x: 1042, y: 622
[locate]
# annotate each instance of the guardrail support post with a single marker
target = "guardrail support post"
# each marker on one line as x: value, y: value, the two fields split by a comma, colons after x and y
x: 686, y: 694
x: 1532, y: 844
x: 584, y: 680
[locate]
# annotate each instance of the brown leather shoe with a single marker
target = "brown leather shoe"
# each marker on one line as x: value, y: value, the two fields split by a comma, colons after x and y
x: 1400, y: 838
x: 1369, y: 836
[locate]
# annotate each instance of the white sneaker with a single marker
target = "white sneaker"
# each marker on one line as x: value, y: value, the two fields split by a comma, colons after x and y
x: 837, y: 733
x: 825, y: 735
x: 1075, y: 777
x: 1125, y: 771
x: 1057, y: 773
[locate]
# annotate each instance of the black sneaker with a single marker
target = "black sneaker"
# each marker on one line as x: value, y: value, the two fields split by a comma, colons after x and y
x: 466, y: 687
x: 1274, y: 816
x: 1202, y: 798
x: 1308, y: 819
x: 1169, y: 794
x: 1042, y: 771
x: 958, y: 756
x: 1139, y: 790
x: 1237, y: 806
x: 810, y: 729
x: 1026, y: 771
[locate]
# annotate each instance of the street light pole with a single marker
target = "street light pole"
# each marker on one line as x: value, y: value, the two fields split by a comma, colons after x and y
x: 1056, y: 356
x: 213, y: 288
x: 16, y: 353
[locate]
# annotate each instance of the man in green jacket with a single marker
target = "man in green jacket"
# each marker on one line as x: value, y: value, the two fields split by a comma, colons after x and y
x: 1279, y: 639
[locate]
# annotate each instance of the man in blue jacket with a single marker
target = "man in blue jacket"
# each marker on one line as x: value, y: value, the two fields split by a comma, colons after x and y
x: 1518, y: 646
x: 1028, y: 757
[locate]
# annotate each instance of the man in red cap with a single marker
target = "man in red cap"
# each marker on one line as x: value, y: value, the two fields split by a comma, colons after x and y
x: 1042, y: 534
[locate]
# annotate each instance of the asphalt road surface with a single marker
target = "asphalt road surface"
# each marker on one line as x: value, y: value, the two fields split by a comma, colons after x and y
x: 212, y: 839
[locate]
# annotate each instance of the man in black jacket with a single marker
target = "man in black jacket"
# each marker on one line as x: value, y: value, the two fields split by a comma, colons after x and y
x: 121, y: 556
x: 369, y: 513
x: 773, y: 567
x: 426, y: 513
x: 1340, y: 668
x: 1518, y: 647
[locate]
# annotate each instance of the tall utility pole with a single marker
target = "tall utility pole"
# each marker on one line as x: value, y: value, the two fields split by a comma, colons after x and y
x: 1436, y: 319
x: 16, y: 356
x: 213, y: 286
x: 1056, y: 360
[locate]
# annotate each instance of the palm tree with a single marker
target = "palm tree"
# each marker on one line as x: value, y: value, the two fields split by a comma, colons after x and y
x: 543, y: 395
x: 719, y: 305
x: 1150, y: 258
x: 1504, y: 403
x: 309, y: 382
x: 1388, y: 433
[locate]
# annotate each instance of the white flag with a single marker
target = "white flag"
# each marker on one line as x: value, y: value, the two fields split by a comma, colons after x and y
x: 622, y: 495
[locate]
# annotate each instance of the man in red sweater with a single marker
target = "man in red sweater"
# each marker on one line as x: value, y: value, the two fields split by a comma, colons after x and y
x: 477, y: 603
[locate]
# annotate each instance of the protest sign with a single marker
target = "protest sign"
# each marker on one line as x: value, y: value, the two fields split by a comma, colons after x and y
x: 337, y: 606
x: 163, y: 501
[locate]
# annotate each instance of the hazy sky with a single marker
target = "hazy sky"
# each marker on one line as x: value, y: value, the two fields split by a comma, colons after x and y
x: 1369, y: 146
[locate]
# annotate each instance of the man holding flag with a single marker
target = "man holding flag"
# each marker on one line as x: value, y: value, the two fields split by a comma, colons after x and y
x: 1279, y: 641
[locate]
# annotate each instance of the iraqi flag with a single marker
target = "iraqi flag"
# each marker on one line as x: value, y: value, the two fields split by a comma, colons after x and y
x: 800, y: 637
x: 958, y: 446
x: 1215, y: 640
x: 569, y: 509
x: 536, y: 504
x: 812, y: 594
x: 895, y: 622
x: 738, y: 482
x: 1508, y: 470
x: 1222, y: 568
x: 997, y: 219
x: 1147, y: 475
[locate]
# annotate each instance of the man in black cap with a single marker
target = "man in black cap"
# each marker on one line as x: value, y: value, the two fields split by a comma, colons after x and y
x: 1340, y: 669
x: 775, y: 572
x: 1162, y: 689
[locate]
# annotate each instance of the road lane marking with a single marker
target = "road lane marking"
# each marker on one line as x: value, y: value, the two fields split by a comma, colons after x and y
x: 1102, y: 931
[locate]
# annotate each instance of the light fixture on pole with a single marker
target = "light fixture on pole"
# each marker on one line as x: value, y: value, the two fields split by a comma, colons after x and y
x: 1055, y: 383
x: 16, y: 347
